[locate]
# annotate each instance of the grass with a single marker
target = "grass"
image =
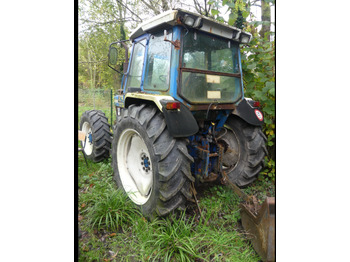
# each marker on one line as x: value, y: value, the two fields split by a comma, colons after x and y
x: 113, y: 230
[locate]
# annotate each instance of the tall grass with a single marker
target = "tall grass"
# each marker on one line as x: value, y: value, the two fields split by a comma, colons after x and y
x: 108, y: 207
x: 169, y: 239
x: 112, y: 210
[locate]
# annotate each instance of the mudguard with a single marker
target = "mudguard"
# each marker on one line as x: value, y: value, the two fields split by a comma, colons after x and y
x: 252, y: 115
x: 181, y: 123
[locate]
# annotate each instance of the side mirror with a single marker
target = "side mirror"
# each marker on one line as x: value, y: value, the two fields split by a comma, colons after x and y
x: 112, y: 55
x: 113, y: 62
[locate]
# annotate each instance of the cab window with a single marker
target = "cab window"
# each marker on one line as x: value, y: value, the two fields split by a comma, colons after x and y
x: 157, y: 75
x: 136, y: 67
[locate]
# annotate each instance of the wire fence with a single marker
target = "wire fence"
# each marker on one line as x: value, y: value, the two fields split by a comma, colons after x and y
x: 96, y: 99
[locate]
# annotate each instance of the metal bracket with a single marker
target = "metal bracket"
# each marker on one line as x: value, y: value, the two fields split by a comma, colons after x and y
x: 175, y: 43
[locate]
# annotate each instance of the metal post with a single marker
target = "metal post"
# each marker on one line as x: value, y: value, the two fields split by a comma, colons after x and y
x: 112, y: 108
x: 94, y: 97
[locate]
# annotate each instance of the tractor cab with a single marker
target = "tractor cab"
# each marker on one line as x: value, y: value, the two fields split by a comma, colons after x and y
x: 185, y: 57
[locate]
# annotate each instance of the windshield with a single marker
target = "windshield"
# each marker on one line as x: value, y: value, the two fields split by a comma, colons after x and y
x: 210, y: 69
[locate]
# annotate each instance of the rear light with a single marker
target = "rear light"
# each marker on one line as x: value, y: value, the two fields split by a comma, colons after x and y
x: 173, y: 105
x: 256, y: 104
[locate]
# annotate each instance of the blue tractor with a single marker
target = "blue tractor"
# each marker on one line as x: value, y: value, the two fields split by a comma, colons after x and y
x: 182, y: 117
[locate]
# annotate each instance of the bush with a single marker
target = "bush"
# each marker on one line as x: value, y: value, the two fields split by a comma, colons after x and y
x: 258, y: 64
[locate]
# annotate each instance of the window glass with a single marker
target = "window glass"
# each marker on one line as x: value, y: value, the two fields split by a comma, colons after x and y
x: 203, y: 88
x: 207, y: 52
x: 158, y: 63
x: 135, y: 73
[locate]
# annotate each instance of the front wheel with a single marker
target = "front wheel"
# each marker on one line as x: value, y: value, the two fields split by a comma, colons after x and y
x: 151, y: 166
x: 98, y: 140
x: 244, y: 150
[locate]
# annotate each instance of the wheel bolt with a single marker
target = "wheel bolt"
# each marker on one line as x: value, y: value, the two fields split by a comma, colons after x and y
x: 141, y: 163
x: 147, y: 158
x: 144, y: 168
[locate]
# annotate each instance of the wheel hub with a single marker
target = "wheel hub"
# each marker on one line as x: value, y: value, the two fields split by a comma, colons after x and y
x: 134, y: 166
x: 145, y: 162
x: 88, y: 145
x: 231, y: 150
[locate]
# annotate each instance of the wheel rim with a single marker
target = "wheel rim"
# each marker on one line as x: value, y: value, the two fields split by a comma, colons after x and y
x: 232, y: 150
x: 88, y: 146
x: 134, y: 166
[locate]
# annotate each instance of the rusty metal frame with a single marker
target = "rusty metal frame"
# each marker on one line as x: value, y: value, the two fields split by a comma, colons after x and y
x: 201, y: 71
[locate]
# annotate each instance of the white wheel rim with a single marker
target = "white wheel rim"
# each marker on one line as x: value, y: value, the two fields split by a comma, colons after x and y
x: 134, y: 166
x: 88, y: 146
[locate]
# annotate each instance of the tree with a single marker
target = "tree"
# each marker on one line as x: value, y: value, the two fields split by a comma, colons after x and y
x: 265, y: 18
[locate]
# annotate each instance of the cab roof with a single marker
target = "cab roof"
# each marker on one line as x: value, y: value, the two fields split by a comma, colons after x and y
x: 190, y: 20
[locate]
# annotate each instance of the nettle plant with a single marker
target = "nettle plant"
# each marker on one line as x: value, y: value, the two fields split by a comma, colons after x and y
x: 258, y: 64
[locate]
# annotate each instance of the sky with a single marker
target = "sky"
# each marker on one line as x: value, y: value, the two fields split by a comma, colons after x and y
x: 223, y: 11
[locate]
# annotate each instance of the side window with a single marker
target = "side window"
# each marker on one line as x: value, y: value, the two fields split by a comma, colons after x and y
x: 157, y: 74
x: 135, y: 74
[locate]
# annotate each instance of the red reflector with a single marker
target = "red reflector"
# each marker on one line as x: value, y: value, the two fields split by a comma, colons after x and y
x: 173, y: 105
x: 256, y: 104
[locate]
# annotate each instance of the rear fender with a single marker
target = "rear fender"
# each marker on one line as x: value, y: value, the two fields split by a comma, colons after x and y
x: 251, y: 115
x: 133, y: 98
x: 180, y: 123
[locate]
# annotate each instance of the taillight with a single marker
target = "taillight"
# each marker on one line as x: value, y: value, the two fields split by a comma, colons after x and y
x: 173, y: 105
x: 256, y: 104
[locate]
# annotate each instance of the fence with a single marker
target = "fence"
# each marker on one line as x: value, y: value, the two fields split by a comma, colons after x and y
x: 98, y: 99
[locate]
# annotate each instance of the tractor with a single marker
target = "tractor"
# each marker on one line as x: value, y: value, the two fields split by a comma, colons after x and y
x: 181, y: 115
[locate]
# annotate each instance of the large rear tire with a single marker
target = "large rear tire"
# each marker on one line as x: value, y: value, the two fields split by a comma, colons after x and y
x: 151, y: 166
x: 244, y: 150
x: 95, y: 125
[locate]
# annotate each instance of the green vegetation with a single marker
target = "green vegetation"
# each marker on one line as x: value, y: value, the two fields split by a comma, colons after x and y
x: 114, y: 230
x: 258, y: 62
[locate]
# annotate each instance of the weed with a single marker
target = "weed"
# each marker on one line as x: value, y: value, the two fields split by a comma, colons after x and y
x: 112, y: 209
x: 169, y: 239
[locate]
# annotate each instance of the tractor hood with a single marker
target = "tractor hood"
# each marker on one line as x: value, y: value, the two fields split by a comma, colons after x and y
x: 192, y: 20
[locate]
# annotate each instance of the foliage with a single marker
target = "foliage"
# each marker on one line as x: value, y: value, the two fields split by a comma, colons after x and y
x: 94, y: 39
x: 258, y: 64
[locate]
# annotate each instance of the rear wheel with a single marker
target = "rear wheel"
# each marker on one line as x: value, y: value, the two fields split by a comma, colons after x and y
x: 98, y: 140
x: 244, y: 150
x: 151, y: 166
